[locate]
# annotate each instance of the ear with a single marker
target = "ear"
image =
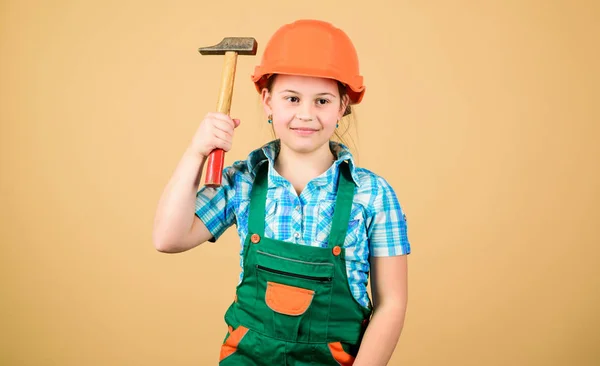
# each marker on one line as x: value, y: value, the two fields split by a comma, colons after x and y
x: 343, y: 106
x: 265, y: 97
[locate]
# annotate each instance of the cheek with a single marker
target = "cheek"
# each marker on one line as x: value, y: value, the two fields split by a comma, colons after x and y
x: 282, y: 115
x: 276, y: 108
x: 281, y: 120
x: 330, y: 117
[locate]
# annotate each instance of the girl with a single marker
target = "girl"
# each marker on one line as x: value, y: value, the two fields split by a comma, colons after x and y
x: 312, y: 224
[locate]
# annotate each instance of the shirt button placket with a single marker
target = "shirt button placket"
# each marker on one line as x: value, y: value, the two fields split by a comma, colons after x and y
x: 297, y: 216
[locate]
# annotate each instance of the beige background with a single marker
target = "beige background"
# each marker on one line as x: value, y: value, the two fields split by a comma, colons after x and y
x: 482, y: 115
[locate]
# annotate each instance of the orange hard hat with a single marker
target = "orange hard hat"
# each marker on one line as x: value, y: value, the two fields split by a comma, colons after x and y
x: 311, y: 48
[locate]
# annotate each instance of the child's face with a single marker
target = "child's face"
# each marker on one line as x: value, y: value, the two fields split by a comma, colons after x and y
x: 305, y: 110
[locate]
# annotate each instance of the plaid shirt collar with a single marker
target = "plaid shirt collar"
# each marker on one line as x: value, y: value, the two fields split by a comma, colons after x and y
x: 269, y: 152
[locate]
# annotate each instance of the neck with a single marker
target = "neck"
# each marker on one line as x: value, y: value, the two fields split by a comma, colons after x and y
x: 300, y: 168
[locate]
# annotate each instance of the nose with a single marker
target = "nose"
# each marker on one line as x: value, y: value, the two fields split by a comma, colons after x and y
x: 305, y: 112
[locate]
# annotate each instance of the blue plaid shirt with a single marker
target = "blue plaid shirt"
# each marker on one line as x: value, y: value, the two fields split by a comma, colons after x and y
x: 377, y: 224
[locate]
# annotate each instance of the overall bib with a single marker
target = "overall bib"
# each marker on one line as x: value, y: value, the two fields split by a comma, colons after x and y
x: 294, y: 305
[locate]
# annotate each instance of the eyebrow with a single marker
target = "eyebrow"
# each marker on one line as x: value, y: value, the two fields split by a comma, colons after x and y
x: 295, y: 92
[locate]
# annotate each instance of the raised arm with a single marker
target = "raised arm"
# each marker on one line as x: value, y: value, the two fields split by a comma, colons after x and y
x: 176, y: 227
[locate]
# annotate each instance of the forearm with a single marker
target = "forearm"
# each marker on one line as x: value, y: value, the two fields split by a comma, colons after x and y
x: 381, y: 336
x: 175, y: 212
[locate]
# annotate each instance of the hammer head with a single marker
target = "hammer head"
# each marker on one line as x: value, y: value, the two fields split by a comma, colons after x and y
x: 240, y: 45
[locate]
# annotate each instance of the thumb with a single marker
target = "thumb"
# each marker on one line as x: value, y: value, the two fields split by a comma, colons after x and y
x: 236, y: 121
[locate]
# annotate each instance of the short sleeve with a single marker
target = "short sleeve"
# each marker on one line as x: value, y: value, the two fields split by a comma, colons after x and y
x: 386, y: 228
x: 215, y: 205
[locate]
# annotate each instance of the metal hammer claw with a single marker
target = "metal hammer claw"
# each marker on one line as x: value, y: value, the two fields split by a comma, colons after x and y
x: 231, y: 47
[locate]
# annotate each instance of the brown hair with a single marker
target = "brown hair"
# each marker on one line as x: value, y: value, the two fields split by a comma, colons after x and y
x: 347, y: 118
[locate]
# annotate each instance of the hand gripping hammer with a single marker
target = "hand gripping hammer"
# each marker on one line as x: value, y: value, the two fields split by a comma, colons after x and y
x: 231, y: 47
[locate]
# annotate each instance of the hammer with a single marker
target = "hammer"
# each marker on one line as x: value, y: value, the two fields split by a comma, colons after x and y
x: 230, y: 47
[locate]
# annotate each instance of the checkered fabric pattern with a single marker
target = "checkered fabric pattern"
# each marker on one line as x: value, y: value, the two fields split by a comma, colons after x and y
x: 377, y: 224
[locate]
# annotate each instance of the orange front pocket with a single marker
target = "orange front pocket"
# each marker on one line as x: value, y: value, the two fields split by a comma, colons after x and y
x: 338, y: 353
x: 288, y: 300
x: 231, y: 344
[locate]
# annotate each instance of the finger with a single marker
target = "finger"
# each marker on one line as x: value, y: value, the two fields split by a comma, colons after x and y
x: 237, y: 122
x: 224, y: 144
x: 213, y: 115
x: 224, y: 117
x: 222, y: 135
x: 220, y: 118
x: 223, y: 126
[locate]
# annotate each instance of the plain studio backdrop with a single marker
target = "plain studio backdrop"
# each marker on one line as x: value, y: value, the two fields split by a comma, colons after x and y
x: 483, y: 115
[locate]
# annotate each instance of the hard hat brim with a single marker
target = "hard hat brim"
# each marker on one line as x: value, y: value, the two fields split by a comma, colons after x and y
x: 355, y: 88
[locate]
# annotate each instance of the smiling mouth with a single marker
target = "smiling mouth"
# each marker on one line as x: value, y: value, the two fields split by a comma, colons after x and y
x: 304, y: 129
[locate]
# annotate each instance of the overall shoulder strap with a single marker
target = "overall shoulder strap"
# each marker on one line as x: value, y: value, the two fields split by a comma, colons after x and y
x: 343, y: 206
x: 258, y: 198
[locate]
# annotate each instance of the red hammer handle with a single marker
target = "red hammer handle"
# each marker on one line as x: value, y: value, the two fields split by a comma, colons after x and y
x: 216, y: 159
x: 214, y: 168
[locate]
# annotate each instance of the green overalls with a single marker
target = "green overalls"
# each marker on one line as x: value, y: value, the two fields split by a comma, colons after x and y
x: 294, y: 305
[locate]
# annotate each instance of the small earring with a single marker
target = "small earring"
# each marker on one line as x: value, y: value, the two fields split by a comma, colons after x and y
x: 337, y: 124
x: 270, y: 118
